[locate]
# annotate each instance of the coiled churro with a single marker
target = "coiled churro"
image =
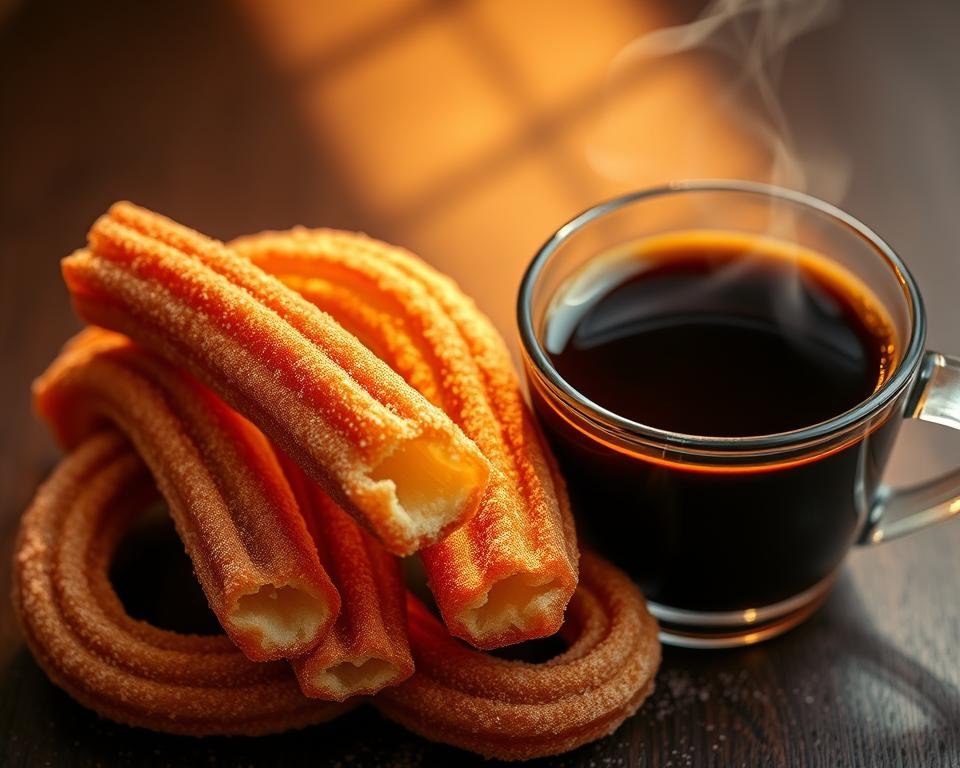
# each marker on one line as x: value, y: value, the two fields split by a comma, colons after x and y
x: 226, y: 492
x: 257, y: 526
x: 128, y: 670
x: 516, y: 710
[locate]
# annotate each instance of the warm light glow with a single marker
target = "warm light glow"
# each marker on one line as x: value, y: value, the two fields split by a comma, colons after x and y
x: 299, y: 35
x: 408, y: 115
x: 669, y: 121
x: 469, y: 131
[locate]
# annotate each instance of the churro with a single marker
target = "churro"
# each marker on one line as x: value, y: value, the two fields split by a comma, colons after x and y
x: 392, y: 421
x: 508, y: 573
x: 128, y: 670
x: 367, y: 648
x: 225, y: 489
x: 515, y: 710
x: 380, y: 449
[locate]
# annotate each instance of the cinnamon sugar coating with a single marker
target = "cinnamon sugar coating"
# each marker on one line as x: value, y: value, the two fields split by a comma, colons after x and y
x: 367, y: 649
x: 508, y: 573
x: 128, y: 670
x: 379, y: 448
x: 226, y: 492
x: 516, y: 710
x: 401, y: 424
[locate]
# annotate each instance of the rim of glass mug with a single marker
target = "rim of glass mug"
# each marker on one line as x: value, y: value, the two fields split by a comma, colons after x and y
x: 759, y: 446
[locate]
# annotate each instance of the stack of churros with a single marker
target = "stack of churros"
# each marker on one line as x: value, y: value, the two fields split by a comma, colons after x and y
x: 312, y: 406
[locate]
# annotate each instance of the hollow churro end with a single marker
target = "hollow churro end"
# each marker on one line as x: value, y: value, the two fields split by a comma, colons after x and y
x: 352, y: 677
x: 282, y: 618
x: 520, y: 710
x: 367, y: 648
x: 434, y: 336
x: 432, y: 486
x: 515, y: 608
x: 127, y: 669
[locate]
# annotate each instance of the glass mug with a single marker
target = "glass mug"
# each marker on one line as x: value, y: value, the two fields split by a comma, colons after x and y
x: 791, y: 504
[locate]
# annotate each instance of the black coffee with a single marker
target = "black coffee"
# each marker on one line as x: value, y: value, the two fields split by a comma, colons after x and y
x: 718, y: 341
x: 720, y: 337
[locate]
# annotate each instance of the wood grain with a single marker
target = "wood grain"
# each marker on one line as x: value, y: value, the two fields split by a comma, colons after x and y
x: 174, y: 105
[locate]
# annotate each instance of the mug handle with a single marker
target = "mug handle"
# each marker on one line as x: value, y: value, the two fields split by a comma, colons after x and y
x: 897, y: 512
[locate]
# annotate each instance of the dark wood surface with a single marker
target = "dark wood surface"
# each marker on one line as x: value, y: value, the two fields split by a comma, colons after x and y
x: 176, y: 106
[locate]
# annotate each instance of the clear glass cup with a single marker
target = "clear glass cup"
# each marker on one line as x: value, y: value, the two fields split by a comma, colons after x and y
x: 793, y: 503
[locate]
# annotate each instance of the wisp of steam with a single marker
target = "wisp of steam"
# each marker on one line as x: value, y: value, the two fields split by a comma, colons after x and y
x: 744, y: 44
x: 751, y: 38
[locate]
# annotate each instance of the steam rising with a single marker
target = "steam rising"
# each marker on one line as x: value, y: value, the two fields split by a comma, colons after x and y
x: 703, y: 97
x: 749, y: 39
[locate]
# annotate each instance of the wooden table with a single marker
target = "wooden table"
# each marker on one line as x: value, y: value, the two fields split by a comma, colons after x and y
x: 197, y: 110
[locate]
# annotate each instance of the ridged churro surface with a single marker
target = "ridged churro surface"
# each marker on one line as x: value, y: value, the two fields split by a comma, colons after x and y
x: 227, y: 494
x: 128, y: 670
x: 508, y: 573
x: 367, y: 648
x: 515, y: 710
x: 310, y: 404
x: 379, y: 448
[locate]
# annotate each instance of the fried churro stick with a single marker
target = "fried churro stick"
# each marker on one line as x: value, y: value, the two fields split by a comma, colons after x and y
x: 128, y: 670
x: 508, y: 573
x: 379, y: 448
x: 367, y: 649
x: 515, y: 710
x: 226, y: 491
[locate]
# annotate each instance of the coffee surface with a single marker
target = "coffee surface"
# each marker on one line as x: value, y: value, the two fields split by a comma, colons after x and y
x: 721, y: 337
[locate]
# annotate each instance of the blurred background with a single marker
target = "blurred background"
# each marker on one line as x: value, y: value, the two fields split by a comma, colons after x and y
x: 465, y: 130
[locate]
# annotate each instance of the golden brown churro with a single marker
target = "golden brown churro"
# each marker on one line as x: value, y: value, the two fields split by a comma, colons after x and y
x: 128, y: 670
x: 227, y: 494
x: 515, y: 710
x: 380, y: 449
x: 422, y: 436
x: 507, y: 574
x: 367, y: 649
